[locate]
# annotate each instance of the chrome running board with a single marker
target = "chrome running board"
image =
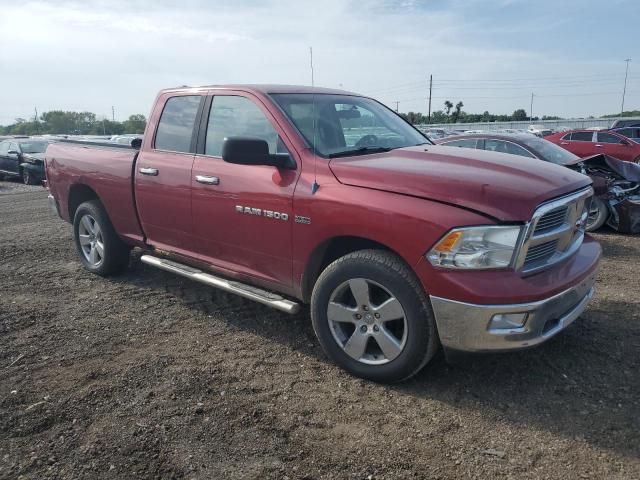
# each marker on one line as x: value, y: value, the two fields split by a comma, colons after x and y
x: 247, y: 291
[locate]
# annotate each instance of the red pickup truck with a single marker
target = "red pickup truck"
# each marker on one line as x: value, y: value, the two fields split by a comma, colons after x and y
x: 293, y: 195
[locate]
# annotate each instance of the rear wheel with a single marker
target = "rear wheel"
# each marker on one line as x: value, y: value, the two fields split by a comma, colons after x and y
x: 598, y: 214
x: 101, y: 249
x: 372, y: 317
x: 637, y: 159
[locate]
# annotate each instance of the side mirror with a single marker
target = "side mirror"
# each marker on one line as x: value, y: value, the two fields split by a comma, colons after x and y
x: 626, y: 143
x: 13, y: 152
x: 253, y: 151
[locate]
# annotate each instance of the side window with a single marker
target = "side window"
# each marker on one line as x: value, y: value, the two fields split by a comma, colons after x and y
x: 582, y: 136
x: 4, y: 148
x: 14, y: 147
x: 464, y: 143
x: 607, y: 138
x: 514, y: 149
x: 176, y: 124
x: 495, y: 146
x: 233, y: 116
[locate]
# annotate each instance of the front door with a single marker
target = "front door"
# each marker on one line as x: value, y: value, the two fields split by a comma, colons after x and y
x: 242, y: 214
x: 163, y: 174
x: 612, y: 145
x: 4, y: 153
x: 13, y: 158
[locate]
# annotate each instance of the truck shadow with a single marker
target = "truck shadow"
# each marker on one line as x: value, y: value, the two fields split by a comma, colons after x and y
x: 582, y: 385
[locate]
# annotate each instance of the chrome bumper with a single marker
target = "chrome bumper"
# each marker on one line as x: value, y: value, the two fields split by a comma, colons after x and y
x: 53, y: 205
x: 467, y: 327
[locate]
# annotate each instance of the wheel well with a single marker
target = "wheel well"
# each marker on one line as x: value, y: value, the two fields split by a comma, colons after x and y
x: 329, y: 251
x: 78, y: 195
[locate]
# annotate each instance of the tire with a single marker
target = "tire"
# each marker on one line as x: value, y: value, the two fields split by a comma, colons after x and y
x: 113, y: 255
x: 637, y: 160
x: 598, y: 215
x: 27, y: 177
x: 380, y: 279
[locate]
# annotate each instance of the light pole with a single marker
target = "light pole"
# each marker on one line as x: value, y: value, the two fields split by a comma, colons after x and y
x: 624, y: 91
x: 531, y: 109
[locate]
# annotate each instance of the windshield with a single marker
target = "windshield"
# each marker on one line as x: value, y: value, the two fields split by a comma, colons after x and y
x: 33, y: 147
x: 550, y: 151
x: 346, y: 124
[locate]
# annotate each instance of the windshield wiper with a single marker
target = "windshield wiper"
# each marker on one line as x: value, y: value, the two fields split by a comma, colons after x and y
x: 359, y: 151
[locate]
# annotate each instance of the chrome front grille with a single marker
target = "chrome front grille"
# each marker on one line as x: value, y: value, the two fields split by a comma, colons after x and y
x: 541, y: 252
x: 555, y: 232
x: 552, y: 220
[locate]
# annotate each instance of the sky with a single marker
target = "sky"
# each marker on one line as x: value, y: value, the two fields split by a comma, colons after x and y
x: 93, y: 55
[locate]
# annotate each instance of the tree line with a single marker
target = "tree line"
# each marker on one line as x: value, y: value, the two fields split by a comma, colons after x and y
x: 74, y: 123
x: 454, y: 114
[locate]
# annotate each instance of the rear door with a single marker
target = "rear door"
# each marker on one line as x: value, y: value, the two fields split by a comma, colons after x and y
x: 580, y: 143
x: 612, y: 145
x: 163, y: 172
x: 243, y: 214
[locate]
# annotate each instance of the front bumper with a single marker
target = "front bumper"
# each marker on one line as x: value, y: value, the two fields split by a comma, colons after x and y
x: 467, y: 327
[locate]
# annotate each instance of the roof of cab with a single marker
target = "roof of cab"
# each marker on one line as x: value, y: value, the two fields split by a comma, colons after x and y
x: 265, y: 89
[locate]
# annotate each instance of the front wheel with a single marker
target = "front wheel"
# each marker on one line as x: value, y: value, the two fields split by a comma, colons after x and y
x: 27, y: 177
x: 372, y: 316
x: 598, y: 214
x: 101, y: 249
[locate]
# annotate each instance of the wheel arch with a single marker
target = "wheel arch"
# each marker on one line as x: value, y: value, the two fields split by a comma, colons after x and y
x: 78, y: 194
x: 330, y: 250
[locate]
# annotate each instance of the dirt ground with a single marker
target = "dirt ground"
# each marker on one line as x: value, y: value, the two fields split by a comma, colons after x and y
x: 147, y: 375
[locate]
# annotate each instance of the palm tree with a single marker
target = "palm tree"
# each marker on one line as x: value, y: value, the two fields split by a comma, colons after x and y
x: 448, y: 106
x: 456, y: 114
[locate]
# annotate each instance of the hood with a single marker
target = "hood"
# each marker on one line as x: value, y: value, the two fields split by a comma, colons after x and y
x: 33, y: 156
x: 625, y: 170
x: 506, y: 187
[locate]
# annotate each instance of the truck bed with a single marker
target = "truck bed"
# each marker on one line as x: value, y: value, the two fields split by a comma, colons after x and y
x: 73, y: 166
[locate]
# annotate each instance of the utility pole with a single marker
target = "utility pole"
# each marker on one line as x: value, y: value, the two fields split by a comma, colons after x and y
x: 430, y: 89
x: 113, y: 114
x: 624, y: 91
x: 35, y: 119
x: 531, y: 109
x: 397, y: 104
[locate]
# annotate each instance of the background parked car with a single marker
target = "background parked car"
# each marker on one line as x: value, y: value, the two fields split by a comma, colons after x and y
x: 24, y: 158
x: 632, y: 133
x: 616, y: 183
x: 627, y: 122
x: 539, y: 130
x: 585, y: 143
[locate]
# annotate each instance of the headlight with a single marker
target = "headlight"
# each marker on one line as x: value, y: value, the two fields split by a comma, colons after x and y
x: 476, y: 247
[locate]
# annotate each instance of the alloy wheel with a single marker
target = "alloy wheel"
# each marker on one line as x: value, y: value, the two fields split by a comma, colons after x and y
x: 91, y: 240
x: 367, y: 321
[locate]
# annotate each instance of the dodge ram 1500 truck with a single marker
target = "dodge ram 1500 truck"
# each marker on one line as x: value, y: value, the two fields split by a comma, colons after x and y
x: 293, y: 195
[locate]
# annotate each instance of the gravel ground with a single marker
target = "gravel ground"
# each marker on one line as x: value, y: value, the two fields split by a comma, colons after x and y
x: 152, y: 376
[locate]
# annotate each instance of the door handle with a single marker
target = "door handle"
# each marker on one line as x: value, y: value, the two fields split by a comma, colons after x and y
x: 207, y: 180
x: 598, y: 145
x: 564, y: 143
x: 149, y: 171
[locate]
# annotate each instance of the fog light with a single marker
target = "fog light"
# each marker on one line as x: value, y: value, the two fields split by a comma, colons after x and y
x: 507, y: 320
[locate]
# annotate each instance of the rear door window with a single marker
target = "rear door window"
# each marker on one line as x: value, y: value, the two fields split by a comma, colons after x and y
x: 175, y: 128
x: 582, y: 136
x: 608, y: 138
x: 4, y: 148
